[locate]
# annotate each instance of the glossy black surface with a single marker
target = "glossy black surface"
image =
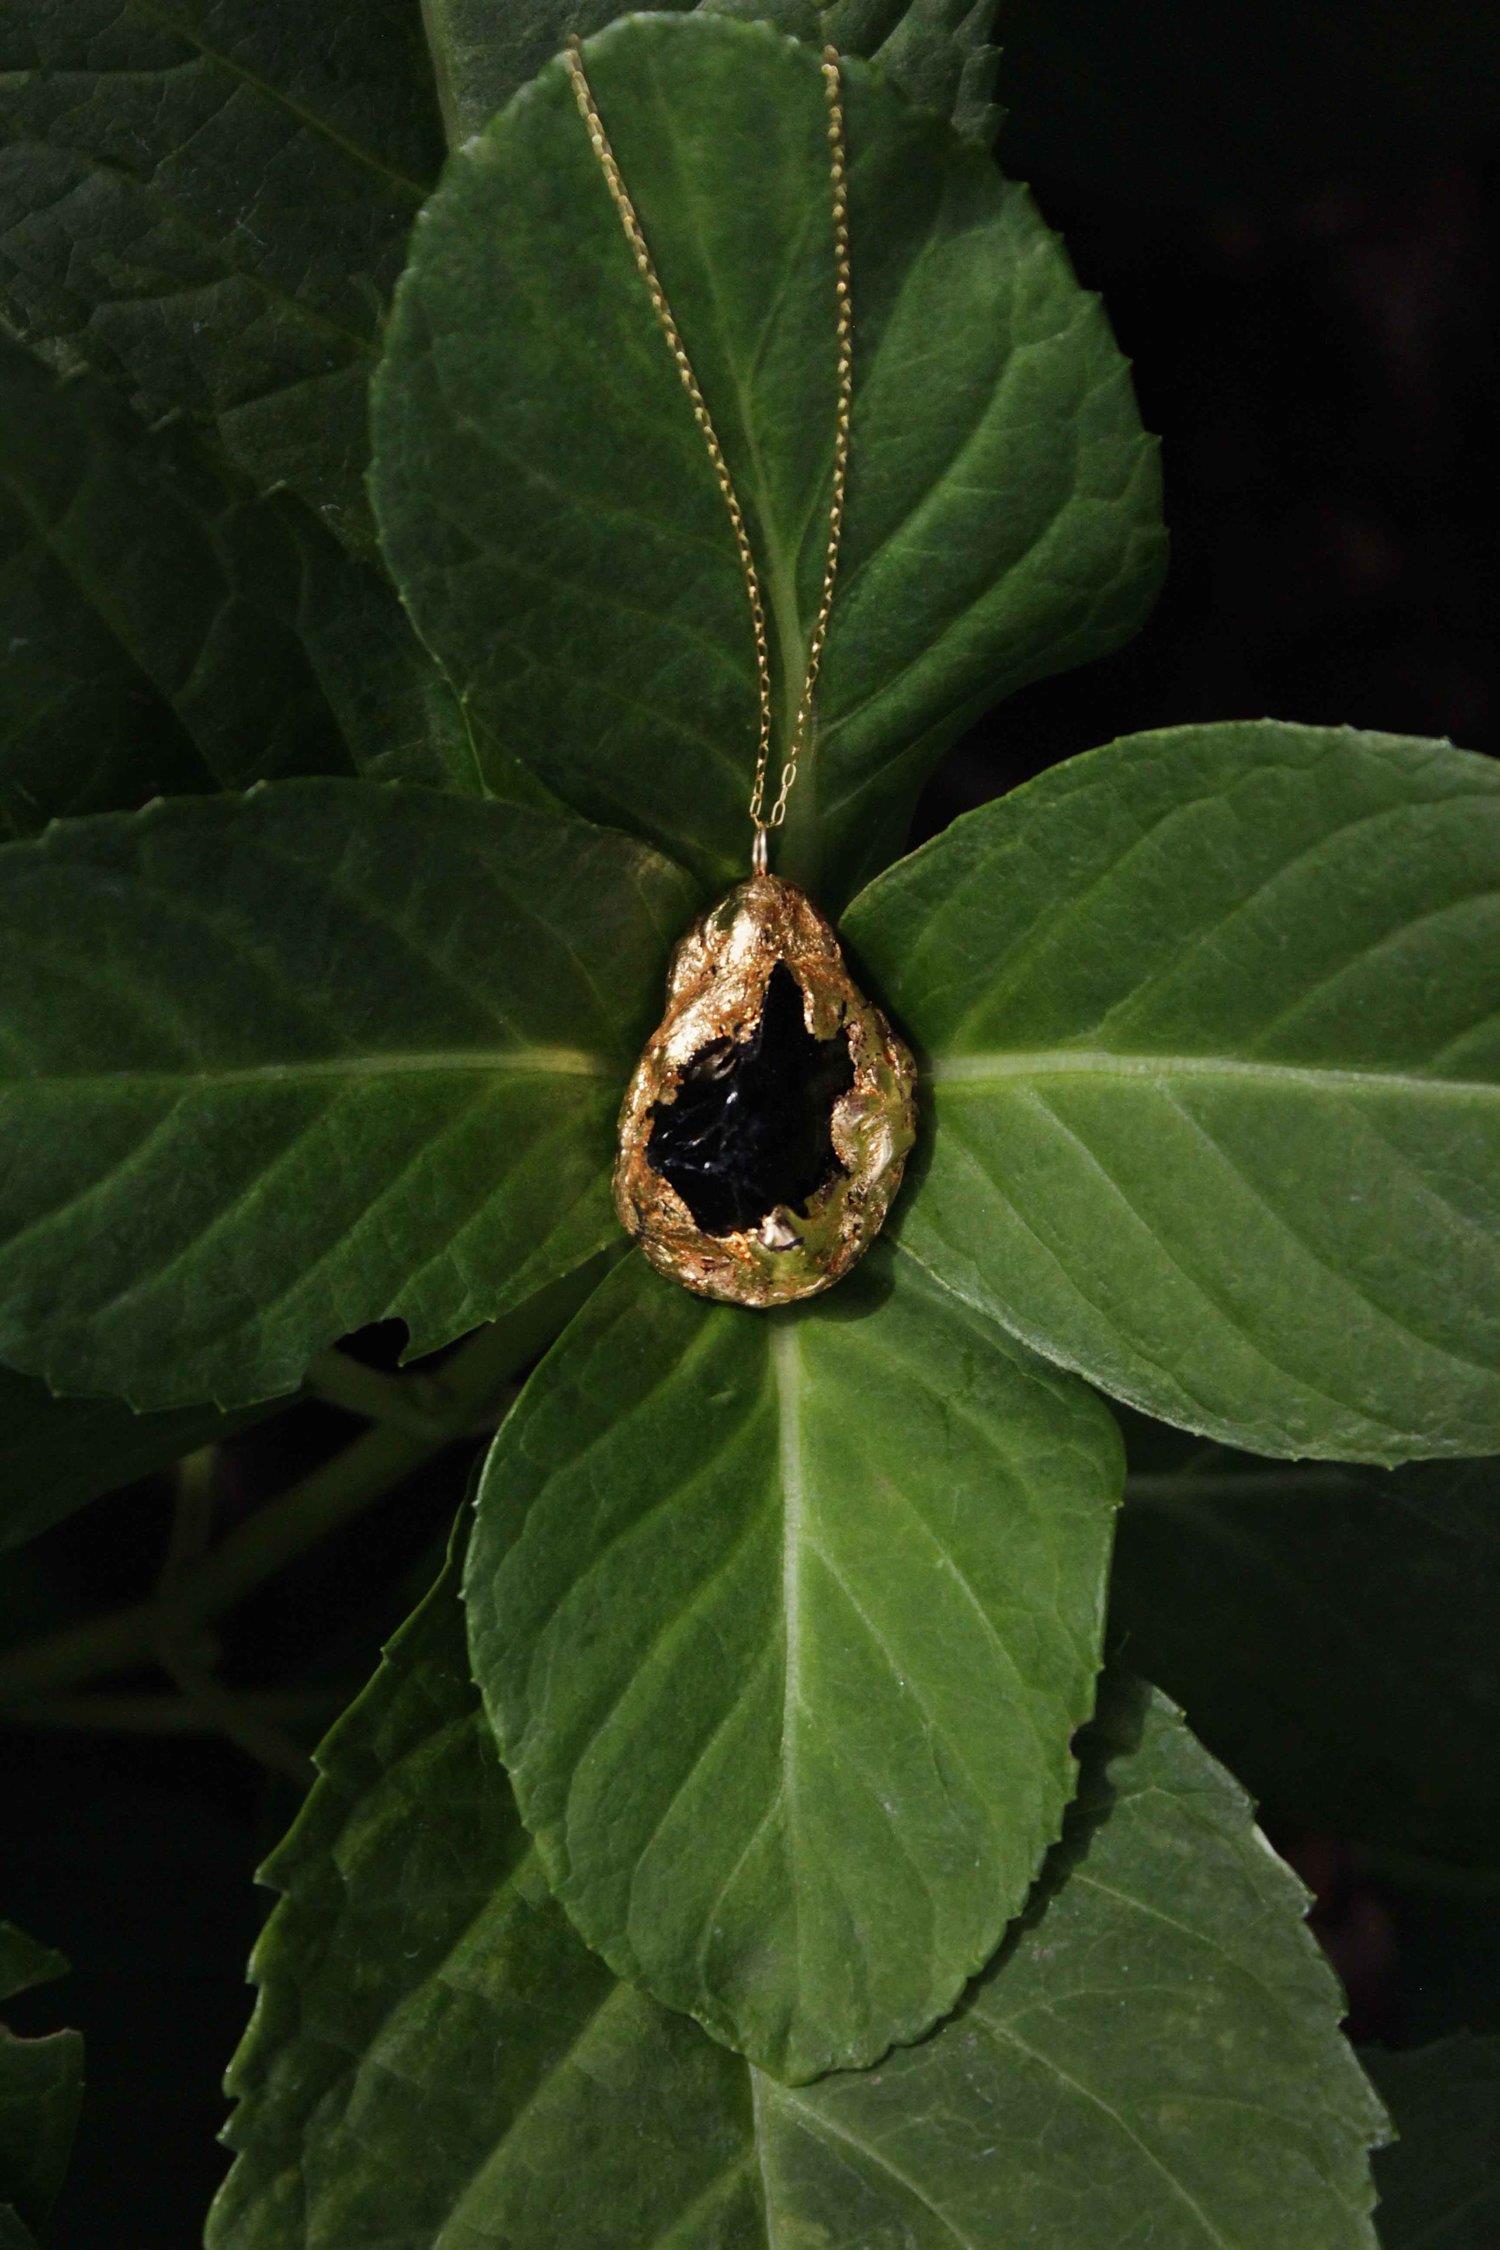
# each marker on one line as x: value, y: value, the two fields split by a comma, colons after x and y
x: 751, y: 1125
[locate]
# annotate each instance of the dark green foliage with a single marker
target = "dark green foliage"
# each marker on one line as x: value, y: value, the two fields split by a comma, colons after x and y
x: 788, y: 1628
x: 1332, y: 1631
x: 1440, y: 2183
x: 41, y: 2085
x: 209, y: 200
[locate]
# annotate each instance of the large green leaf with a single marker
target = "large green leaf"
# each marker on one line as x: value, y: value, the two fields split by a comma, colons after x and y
x: 1210, y: 1027
x: 210, y: 200
x: 150, y: 610
x: 546, y: 501
x: 278, y: 1067
x: 41, y: 2086
x: 436, y: 2061
x: 938, y: 52
x: 57, y: 1453
x: 785, y: 1623
x: 1440, y: 2183
x: 1332, y: 1631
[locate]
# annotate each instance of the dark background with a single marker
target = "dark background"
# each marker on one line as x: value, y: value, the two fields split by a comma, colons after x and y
x: 1292, y: 213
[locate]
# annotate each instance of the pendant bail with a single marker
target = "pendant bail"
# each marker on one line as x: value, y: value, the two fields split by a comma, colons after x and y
x: 760, y: 850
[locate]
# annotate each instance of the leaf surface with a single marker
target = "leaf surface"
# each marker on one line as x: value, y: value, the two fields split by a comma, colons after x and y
x: 547, y: 505
x: 279, y: 1067
x: 938, y: 52
x: 150, y: 611
x: 1440, y: 2183
x: 393, y: 708
x: 1332, y: 1631
x: 1211, y: 1021
x: 56, y: 1454
x: 41, y: 2086
x: 785, y: 1623
x: 209, y: 201
x: 437, y: 2062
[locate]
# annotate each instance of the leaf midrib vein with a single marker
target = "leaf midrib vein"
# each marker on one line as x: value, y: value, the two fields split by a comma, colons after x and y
x: 986, y: 1067
x: 786, y: 1369
x: 538, y: 1062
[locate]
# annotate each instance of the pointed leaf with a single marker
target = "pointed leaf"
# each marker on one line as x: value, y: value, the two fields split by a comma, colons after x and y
x: 41, y: 2086
x: 210, y: 203
x: 1332, y: 1631
x: 547, y: 505
x: 436, y: 2060
x: 1440, y: 2183
x: 938, y: 52
x: 1212, y: 1077
x: 785, y: 1622
x: 278, y: 1067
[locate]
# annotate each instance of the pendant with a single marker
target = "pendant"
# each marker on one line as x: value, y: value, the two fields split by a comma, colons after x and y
x: 764, y: 1132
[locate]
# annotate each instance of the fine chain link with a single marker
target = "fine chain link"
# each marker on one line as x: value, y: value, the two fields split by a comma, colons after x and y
x: 635, y: 237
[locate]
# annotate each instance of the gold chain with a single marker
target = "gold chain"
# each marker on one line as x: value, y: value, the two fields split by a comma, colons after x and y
x: 843, y: 416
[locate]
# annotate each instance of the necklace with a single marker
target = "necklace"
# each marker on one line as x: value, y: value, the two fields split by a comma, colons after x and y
x: 765, y: 1129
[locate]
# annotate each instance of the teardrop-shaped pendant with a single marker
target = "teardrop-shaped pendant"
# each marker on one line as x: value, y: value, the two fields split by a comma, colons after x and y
x: 766, y: 1126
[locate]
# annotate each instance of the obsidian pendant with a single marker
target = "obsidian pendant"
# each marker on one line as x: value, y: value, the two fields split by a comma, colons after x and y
x: 766, y: 1126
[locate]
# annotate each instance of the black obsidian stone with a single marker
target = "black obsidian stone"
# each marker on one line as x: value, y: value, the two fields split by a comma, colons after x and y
x: 752, y: 1123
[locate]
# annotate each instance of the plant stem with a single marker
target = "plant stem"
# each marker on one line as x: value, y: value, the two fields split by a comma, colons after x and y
x: 192, y: 1512
x: 224, y: 1712
x: 152, y: 1713
x: 415, y: 1401
x: 474, y: 1383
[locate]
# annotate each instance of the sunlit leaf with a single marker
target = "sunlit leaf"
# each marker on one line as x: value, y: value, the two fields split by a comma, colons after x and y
x: 1211, y: 1032
x: 547, y: 505
x: 785, y: 1622
x: 436, y: 2060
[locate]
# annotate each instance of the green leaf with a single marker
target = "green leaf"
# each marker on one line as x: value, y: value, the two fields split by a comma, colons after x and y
x: 1211, y: 1054
x: 150, y: 609
x: 547, y: 504
x: 397, y: 714
x: 279, y: 1067
x: 785, y: 1622
x: 1332, y: 1631
x: 55, y: 1454
x: 41, y: 2086
x: 210, y: 203
x: 1440, y: 2184
x: 437, y: 2060
x: 135, y: 134
x: 937, y: 52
